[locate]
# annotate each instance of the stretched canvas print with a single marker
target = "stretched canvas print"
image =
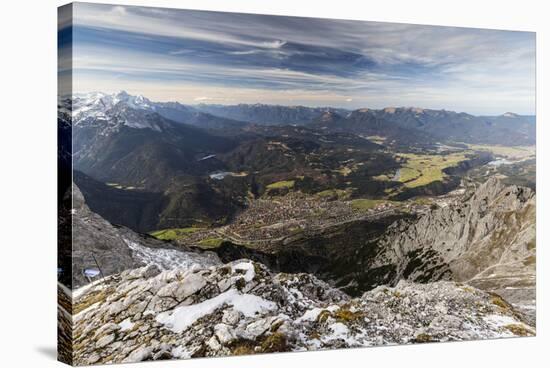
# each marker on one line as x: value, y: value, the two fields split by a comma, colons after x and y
x: 237, y: 184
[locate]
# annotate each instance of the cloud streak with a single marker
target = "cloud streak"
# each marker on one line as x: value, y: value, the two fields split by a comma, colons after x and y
x: 305, y: 60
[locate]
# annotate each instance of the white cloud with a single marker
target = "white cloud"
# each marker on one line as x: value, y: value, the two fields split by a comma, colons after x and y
x: 277, y: 44
x: 120, y: 11
x: 246, y: 52
x: 473, y: 70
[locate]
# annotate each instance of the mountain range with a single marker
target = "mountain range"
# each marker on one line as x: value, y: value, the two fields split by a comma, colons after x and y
x: 159, y: 301
x: 441, y: 124
x: 169, y: 153
x: 217, y: 230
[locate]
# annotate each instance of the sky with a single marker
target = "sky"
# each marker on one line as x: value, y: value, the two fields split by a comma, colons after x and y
x: 230, y: 58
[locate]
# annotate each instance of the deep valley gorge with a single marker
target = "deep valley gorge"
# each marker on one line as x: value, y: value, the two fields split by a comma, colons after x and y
x: 212, y: 230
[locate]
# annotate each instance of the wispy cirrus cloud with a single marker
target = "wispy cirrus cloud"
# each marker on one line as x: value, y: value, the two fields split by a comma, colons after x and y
x: 310, y: 61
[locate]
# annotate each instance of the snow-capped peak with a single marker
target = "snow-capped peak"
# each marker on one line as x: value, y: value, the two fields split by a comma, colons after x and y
x: 122, y: 94
x: 136, y: 102
x: 112, y: 108
x: 97, y: 103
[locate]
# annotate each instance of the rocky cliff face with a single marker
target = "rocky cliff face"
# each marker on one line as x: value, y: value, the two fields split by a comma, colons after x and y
x: 241, y: 308
x: 97, y: 244
x: 447, y: 273
x: 487, y: 240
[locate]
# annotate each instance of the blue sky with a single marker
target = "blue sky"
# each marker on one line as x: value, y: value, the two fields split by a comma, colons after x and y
x: 230, y: 58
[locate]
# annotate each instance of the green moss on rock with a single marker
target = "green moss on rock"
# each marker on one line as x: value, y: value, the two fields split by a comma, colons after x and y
x: 423, y: 338
x: 519, y: 330
x: 276, y: 342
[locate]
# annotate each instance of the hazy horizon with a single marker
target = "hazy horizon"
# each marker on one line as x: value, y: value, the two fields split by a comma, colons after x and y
x: 78, y: 94
x: 197, y: 57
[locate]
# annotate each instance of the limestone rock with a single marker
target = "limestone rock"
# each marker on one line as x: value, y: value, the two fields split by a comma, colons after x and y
x: 281, y: 312
x: 486, y: 239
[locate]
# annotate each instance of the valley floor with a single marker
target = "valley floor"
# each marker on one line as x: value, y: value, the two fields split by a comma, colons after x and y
x: 364, y: 273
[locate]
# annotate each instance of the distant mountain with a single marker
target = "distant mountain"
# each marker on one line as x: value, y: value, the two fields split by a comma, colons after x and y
x: 96, y: 104
x: 118, y: 138
x: 402, y: 124
x: 141, y: 170
x: 526, y: 118
x: 269, y: 114
x: 462, y: 127
x: 522, y: 124
x: 190, y: 115
x: 406, y: 125
x: 366, y: 123
x: 129, y: 147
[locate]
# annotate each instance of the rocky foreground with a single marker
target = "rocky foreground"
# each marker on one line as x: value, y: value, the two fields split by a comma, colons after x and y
x: 94, y: 241
x: 242, y: 308
x: 487, y: 240
x: 443, y: 273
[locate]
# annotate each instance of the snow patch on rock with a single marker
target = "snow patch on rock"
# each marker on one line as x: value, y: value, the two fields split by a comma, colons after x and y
x: 183, y: 317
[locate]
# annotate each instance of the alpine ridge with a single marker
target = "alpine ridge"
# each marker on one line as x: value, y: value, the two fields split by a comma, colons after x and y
x: 486, y: 240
